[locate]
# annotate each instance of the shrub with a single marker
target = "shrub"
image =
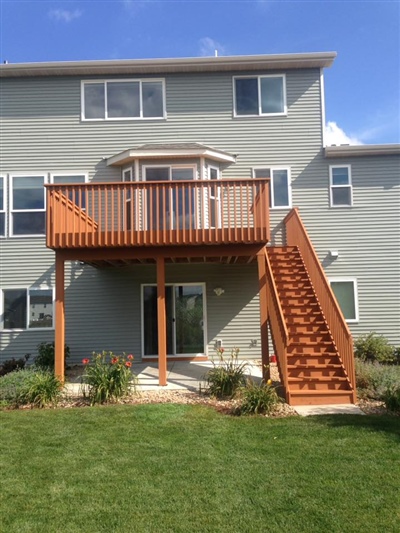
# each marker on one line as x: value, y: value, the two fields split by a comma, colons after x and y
x: 226, y: 376
x: 108, y: 377
x: 391, y: 397
x: 258, y: 398
x: 13, y: 364
x: 45, y: 357
x: 30, y: 387
x: 373, y: 379
x: 372, y: 347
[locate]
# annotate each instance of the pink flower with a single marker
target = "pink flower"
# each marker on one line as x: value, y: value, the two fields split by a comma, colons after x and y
x: 130, y: 357
x: 128, y: 364
x: 85, y: 361
x: 114, y: 360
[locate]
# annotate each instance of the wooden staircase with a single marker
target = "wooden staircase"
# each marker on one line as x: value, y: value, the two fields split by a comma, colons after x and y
x: 313, y: 371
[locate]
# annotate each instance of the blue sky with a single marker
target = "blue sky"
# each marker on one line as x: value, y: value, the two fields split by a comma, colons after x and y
x: 362, y: 88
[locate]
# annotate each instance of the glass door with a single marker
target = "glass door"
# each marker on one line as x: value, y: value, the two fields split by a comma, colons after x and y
x: 185, y: 319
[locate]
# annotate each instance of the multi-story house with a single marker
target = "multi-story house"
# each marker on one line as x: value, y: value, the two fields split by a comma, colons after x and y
x: 166, y: 207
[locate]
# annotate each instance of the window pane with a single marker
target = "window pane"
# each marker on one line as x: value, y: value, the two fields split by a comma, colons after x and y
x: 189, y: 319
x: 94, y: 100
x: 246, y: 96
x: 2, y: 224
x: 341, y: 196
x: 14, y: 308
x: 344, y: 292
x: 157, y: 174
x: 262, y: 173
x: 123, y: 99
x: 1, y: 194
x: 152, y: 95
x: 213, y: 173
x: 340, y: 176
x: 79, y: 195
x: 29, y: 223
x: 272, y: 100
x: 28, y: 193
x: 281, y: 188
x: 69, y: 179
x: 41, y: 308
x: 182, y: 174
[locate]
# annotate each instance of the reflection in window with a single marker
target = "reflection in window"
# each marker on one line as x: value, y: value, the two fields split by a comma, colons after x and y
x: 260, y: 95
x: 280, y: 185
x: 345, y: 292
x: 28, y: 206
x: 340, y: 186
x: 41, y: 308
x: 20, y: 303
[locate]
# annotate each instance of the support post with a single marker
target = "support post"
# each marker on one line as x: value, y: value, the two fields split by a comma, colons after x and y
x: 59, y: 345
x: 262, y: 282
x: 162, y: 323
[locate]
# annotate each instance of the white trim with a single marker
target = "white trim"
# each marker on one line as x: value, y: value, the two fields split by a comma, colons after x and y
x: 322, y: 101
x: 289, y: 177
x: 129, y: 172
x: 3, y: 211
x: 259, y: 78
x: 43, y: 175
x: 331, y: 186
x: 348, y: 279
x: 105, y: 82
x: 177, y: 284
x: 27, y: 294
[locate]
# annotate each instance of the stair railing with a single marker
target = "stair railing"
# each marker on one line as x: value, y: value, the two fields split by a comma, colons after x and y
x: 296, y: 235
x: 278, y: 327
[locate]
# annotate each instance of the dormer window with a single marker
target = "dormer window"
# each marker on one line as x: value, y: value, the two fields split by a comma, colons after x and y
x: 123, y: 99
x: 259, y: 95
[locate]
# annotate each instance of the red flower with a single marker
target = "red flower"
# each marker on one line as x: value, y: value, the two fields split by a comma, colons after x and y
x: 128, y: 364
x: 130, y: 357
x: 85, y: 361
x: 114, y: 360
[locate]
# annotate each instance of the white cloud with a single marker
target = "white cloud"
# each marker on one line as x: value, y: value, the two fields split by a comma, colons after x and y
x: 64, y: 15
x: 335, y: 135
x: 208, y: 47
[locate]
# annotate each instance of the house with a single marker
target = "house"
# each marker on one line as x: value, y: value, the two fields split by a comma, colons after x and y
x: 164, y: 207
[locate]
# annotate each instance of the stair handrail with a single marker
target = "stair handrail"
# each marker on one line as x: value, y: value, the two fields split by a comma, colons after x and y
x: 277, y: 323
x: 296, y: 235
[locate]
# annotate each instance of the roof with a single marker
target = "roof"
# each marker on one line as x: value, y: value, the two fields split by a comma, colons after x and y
x: 165, y: 65
x: 346, y: 150
x: 154, y: 151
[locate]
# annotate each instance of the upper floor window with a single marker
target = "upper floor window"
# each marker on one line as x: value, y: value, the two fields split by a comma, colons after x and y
x: 280, y: 194
x: 123, y: 99
x: 341, y: 193
x: 260, y: 95
x: 27, y: 204
x: 2, y: 207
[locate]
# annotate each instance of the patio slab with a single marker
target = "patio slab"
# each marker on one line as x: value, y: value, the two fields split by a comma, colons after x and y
x: 331, y: 409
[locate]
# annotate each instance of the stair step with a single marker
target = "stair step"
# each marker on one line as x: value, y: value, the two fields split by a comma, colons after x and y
x: 313, y: 384
x: 316, y: 372
x: 320, y: 397
x: 308, y: 359
x: 301, y: 328
x: 311, y: 349
x: 310, y: 338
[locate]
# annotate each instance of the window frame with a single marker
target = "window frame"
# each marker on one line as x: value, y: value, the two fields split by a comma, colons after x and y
x: 122, y: 80
x: 273, y: 168
x: 12, y: 211
x: 178, y: 166
x: 260, y: 114
x: 347, y: 279
x: 28, y: 297
x: 3, y: 211
x: 332, y: 186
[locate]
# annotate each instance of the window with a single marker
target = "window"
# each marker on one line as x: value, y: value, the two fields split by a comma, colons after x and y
x: 345, y: 291
x: 27, y: 205
x: 78, y: 195
x: 27, y: 308
x: 2, y: 206
x: 260, y: 95
x: 123, y: 99
x: 280, y: 194
x: 341, y: 193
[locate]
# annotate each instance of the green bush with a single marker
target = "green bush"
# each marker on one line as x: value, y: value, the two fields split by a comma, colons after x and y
x: 373, y: 347
x: 13, y: 364
x: 108, y: 377
x: 373, y: 379
x: 45, y: 357
x: 39, y: 388
x: 391, y: 397
x: 258, y: 398
x: 227, y: 376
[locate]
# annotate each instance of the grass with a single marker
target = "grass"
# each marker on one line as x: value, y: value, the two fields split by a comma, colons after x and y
x: 179, y: 468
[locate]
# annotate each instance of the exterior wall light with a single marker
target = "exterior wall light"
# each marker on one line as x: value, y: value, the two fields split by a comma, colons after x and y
x: 334, y: 253
x: 218, y: 291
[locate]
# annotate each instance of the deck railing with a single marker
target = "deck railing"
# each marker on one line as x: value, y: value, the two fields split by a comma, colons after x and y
x: 296, y: 235
x: 158, y: 213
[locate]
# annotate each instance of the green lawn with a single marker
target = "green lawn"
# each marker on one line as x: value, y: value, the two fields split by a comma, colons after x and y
x: 179, y: 468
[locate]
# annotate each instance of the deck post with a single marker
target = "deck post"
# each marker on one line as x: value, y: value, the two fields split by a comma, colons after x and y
x: 262, y: 282
x: 162, y: 323
x: 59, y: 345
